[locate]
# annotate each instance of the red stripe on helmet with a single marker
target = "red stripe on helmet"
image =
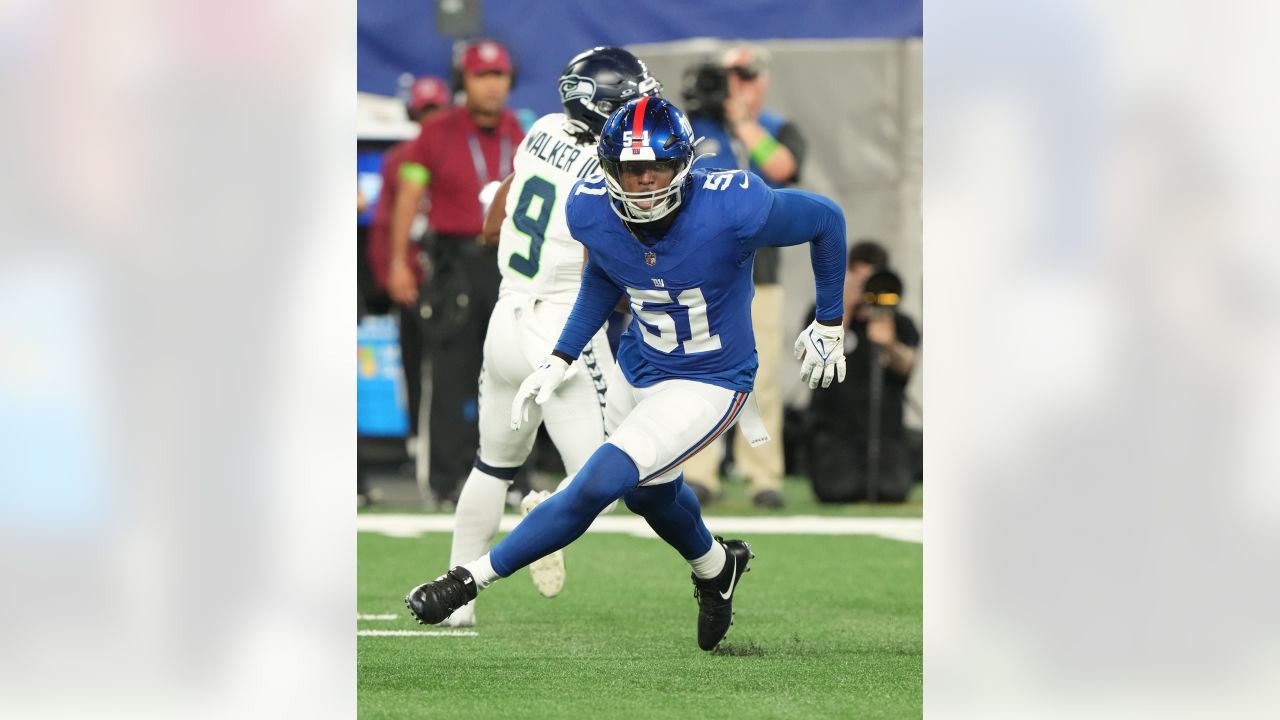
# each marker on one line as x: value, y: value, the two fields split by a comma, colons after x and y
x: 637, y: 126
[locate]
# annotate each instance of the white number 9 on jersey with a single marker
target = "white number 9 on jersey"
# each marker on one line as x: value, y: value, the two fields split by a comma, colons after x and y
x: 658, y: 321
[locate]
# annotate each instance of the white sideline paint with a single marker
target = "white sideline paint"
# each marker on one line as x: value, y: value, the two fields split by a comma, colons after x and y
x: 387, y: 616
x: 891, y: 528
x: 417, y: 633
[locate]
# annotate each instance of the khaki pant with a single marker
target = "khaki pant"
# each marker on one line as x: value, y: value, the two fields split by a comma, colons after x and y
x: 762, y: 466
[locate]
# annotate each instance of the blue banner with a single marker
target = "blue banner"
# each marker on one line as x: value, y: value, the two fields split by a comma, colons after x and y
x: 397, y: 36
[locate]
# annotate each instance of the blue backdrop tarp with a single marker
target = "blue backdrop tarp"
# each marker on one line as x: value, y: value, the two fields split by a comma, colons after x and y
x: 396, y: 36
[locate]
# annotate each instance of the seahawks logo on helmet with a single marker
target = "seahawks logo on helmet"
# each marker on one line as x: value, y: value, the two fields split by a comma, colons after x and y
x: 576, y: 87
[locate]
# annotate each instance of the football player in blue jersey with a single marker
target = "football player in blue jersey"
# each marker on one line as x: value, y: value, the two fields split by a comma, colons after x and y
x: 679, y: 243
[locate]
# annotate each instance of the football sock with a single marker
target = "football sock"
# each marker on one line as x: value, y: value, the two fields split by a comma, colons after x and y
x: 564, y: 516
x: 711, y: 563
x: 482, y: 571
x: 672, y: 510
x: 476, y: 519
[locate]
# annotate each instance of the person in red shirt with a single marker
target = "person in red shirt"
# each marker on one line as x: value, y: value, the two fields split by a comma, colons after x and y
x: 428, y: 96
x: 457, y: 153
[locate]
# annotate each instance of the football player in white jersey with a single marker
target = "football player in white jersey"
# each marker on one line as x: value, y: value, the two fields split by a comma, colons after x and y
x: 541, y: 266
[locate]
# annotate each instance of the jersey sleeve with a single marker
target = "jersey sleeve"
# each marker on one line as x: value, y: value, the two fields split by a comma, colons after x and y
x: 799, y: 216
x: 578, y: 211
x: 751, y: 198
x: 597, y: 297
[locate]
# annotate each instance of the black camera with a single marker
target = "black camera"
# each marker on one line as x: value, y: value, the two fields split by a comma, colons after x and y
x: 706, y: 87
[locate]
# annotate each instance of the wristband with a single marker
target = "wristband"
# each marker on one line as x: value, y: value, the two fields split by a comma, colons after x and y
x: 764, y: 150
x: 414, y: 173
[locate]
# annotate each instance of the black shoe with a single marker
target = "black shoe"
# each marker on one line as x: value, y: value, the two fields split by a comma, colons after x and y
x: 432, y: 602
x: 715, y: 596
x: 769, y: 499
x: 700, y: 491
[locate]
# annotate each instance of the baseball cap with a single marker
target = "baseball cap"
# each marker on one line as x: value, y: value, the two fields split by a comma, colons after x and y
x: 428, y: 90
x: 486, y: 56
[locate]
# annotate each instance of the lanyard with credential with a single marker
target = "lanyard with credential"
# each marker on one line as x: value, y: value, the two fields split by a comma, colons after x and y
x: 477, y: 158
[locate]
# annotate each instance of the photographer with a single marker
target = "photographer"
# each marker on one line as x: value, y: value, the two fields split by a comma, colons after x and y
x: 841, y: 423
x: 725, y: 102
x: 726, y: 106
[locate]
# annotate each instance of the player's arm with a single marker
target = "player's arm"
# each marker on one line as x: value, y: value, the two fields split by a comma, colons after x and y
x: 596, y: 299
x: 795, y: 217
x: 799, y: 216
x: 413, y: 182
x: 623, y: 306
x: 497, y: 213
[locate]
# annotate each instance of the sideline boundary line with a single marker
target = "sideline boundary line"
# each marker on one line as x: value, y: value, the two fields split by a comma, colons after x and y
x: 891, y: 528
x: 417, y: 633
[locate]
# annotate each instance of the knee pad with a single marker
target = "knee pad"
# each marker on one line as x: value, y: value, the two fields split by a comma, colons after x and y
x: 607, y: 474
x: 648, y: 498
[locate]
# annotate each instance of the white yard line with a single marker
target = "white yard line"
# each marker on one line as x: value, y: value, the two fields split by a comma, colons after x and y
x: 892, y: 528
x: 417, y: 633
x: 386, y: 616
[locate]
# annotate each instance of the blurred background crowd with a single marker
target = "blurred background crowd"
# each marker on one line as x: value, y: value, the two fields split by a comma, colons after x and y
x: 840, y: 115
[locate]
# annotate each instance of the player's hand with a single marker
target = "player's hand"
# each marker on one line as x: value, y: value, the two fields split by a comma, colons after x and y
x: 401, y: 284
x: 822, y: 349
x: 538, y: 388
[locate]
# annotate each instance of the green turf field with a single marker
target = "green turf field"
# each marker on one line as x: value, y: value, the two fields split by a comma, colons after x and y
x: 827, y: 626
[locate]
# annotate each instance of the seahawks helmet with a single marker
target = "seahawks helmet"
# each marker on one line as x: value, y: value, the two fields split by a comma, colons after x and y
x: 596, y: 82
x: 646, y: 133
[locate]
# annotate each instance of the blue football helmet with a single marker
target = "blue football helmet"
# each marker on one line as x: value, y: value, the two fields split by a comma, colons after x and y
x: 648, y: 133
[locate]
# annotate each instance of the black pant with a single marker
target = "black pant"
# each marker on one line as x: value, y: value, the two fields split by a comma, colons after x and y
x: 838, y: 469
x: 458, y: 300
x: 411, y: 358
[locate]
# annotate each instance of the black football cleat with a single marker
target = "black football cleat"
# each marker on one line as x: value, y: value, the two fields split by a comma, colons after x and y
x: 715, y: 595
x: 432, y: 602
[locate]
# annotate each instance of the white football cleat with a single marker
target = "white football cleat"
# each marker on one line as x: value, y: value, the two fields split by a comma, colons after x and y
x: 464, y: 616
x: 547, y: 572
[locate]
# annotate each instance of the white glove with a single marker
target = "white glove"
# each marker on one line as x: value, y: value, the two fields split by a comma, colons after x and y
x: 537, y: 387
x: 487, y: 194
x: 822, y: 348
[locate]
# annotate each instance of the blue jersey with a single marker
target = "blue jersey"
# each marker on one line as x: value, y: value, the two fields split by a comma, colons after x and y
x: 690, y: 290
